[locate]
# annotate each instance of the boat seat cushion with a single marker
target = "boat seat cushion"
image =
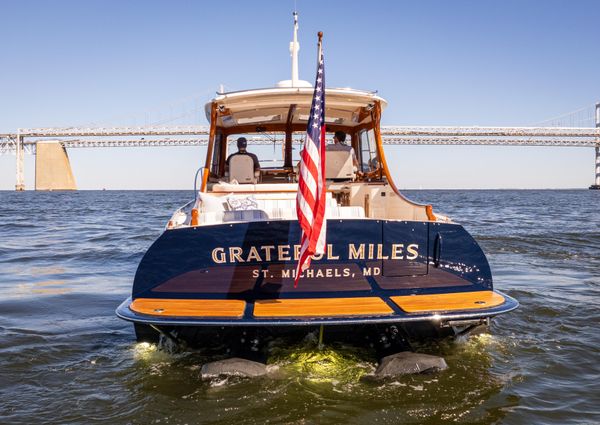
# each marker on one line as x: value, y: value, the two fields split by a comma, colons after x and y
x: 244, y: 215
x: 241, y: 168
x: 345, y: 212
x: 237, y: 203
x: 208, y: 202
x: 339, y: 165
x: 211, y: 217
x: 263, y: 206
x: 274, y: 213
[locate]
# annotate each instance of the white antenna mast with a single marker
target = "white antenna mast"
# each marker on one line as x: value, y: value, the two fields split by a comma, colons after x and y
x: 294, y: 47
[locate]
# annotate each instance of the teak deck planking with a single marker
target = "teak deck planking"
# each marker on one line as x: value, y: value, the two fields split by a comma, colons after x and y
x: 317, y: 307
x: 322, y: 307
x: 448, y: 302
x: 189, y: 308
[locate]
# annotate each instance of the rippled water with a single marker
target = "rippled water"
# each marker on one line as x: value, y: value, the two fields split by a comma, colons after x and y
x: 68, y: 259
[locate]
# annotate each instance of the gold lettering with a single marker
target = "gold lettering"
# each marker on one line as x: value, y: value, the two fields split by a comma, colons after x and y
x: 397, y: 251
x: 296, y: 252
x: 218, y: 255
x: 318, y: 256
x: 283, y: 252
x: 235, y: 254
x: 354, y: 254
x: 371, y: 249
x: 253, y: 255
x: 330, y: 255
x: 413, y: 250
x: 268, y: 249
x: 380, y: 255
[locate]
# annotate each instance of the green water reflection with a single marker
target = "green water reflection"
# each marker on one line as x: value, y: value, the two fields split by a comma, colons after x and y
x: 328, y: 385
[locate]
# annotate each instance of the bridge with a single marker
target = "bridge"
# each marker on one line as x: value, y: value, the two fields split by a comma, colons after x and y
x: 559, y: 132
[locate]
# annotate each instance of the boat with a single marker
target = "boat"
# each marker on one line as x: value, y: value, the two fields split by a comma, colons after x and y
x: 226, y: 262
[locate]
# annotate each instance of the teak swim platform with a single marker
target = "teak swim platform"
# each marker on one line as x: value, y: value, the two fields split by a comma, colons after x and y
x: 316, y: 310
x: 228, y: 258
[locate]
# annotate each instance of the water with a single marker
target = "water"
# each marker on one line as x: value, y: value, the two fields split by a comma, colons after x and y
x: 68, y: 259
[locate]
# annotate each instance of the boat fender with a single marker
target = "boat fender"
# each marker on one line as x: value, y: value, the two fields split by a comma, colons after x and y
x: 194, y: 221
x: 429, y: 211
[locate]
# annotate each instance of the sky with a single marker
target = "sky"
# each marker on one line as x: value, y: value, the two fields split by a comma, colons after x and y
x: 490, y: 63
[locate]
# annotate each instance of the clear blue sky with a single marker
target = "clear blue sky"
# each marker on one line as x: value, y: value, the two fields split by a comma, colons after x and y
x: 507, y: 63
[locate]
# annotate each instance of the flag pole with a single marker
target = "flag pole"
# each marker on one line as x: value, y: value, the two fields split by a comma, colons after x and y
x: 311, y: 200
x: 320, y: 44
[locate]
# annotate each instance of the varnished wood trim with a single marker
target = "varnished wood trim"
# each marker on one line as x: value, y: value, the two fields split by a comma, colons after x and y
x: 296, y: 127
x: 448, y: 302
x: 287, y: 162
x: 211, y: 145
x: 383, y: 167
x: 363, y: 113
x: 429, y: 211
x: 188, y: 308
x: 222, y: 151
x: 376, y: 117
x: 322, y: 307
x: 266, y: 127
x: 194, y: 221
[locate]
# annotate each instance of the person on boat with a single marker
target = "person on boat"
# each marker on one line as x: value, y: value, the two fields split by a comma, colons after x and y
x: 339, y: 144
x: 242, y: 143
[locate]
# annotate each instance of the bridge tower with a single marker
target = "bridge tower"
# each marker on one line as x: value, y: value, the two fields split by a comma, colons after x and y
x: 20, y: 151
x: 596, y: 185
x: 52, y: 167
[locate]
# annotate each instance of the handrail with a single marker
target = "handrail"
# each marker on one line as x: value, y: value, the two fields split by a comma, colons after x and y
x: 196, y: 183
x: 211, y: 145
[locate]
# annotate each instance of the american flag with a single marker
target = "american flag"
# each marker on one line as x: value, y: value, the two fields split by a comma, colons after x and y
x: 310, y: 201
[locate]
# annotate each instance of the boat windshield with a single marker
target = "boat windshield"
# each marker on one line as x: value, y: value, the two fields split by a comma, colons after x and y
x: 270, y: 150
x: 273, y: 121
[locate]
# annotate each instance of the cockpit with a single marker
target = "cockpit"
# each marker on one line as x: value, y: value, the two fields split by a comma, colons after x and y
x: 253, y: 154
x: 273, y: 121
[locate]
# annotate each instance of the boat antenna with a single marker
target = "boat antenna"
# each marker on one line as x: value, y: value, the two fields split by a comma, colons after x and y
x: 294, y: 47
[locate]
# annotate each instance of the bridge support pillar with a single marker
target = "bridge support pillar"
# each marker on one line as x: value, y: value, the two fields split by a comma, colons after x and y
x: 596, y: 185
x: 20, y: 151
x: 52, y: 167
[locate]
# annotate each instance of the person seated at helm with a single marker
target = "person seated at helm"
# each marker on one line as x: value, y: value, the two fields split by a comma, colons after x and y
x: 242, y: 143
x: 339, y: 144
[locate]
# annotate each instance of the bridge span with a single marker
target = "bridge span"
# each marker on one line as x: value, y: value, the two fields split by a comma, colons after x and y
x: 25, y: 141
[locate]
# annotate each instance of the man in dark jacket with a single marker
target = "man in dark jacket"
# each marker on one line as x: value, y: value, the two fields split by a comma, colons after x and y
x: 242, y: 143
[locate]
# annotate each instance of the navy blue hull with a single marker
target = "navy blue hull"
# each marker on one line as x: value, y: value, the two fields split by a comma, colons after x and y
x: 365, y: 258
